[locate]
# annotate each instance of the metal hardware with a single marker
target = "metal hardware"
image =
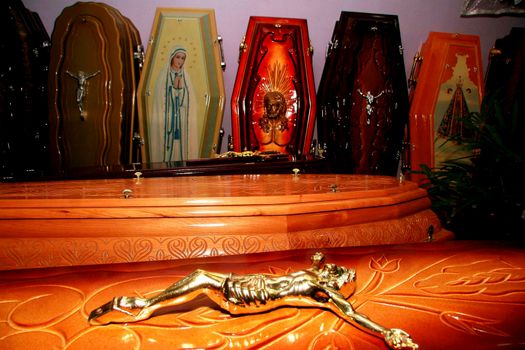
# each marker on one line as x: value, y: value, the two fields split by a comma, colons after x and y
x: 139, y: 56
x: 219, y: 141
x: 223, y: 62
x: 242, y: 47
x: 138, y: 140
x: 127, y: 193
x: 430, y: 233
x: 414, y: 71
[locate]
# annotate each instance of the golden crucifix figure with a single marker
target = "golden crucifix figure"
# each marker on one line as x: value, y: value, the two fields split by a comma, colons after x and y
x: 322, y: 285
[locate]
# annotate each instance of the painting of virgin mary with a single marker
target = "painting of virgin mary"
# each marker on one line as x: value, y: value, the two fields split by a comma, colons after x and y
x: 172, y: 135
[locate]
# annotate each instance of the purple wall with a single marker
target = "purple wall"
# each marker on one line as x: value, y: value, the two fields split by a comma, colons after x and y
x: 416, y: 17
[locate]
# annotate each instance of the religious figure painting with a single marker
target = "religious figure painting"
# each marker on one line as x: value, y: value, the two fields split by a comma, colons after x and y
x: 175, y: 123
x: 458, y: 96
x: 447, y: 87
x: 181, y: 92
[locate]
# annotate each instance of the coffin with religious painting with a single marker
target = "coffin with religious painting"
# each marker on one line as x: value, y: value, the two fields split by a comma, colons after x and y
x: 446, y: 86
x: 362, y: 96
x: 77, y: 222
x: 94, y: 68
x: 273, y: 100
x: 448, y: 295
x: 181, y: 92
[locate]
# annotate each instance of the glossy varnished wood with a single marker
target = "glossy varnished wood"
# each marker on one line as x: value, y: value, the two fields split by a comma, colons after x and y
x: 84, y: 222
x: 448, y: 295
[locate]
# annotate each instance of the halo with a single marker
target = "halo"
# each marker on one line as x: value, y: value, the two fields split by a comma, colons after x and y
x: 278, y: 80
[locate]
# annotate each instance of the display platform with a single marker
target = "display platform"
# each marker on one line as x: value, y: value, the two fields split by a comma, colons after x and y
x: 80, y: 222
x: 446, y: 295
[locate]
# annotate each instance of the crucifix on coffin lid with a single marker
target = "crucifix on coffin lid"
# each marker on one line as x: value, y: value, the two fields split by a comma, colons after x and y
x: 82, y: 78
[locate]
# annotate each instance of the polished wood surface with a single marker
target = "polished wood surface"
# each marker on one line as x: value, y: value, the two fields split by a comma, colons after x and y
x: 438, y: 60
x: 362, y: 96
x: 92, y: 87
x: 58, y: 223
x: 275, y: 57
x: 447, y: 295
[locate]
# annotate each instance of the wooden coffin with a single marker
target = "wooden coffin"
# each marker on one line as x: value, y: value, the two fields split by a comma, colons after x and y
x: 181, y: 92
x: 362, y: 96
x: 24, y: 65
x: 450, y: 295
x: 505, y: 76
x: 273, y: 100
x: 447, y: 86
x: 77, y: 222
x: 93, y: 80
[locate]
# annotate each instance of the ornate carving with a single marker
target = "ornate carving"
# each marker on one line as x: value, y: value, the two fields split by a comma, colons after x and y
x: 47, y: 308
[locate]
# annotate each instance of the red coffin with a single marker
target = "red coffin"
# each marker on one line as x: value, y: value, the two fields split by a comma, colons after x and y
x: 275, y: 65
x: 451, y: 295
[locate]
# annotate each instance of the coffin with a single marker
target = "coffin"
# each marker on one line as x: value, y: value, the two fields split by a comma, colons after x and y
x: 504, y: 78
x: 448, y: 295
x: 181, y: 105
x: 93, y: 75
x: 362, y: 97
x: 23, y: 92
x: 447, y: 85
x: 273, y: 99
x: 76, y: 222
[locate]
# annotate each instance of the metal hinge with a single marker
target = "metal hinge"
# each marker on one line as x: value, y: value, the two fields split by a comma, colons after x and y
x: 138, y: 55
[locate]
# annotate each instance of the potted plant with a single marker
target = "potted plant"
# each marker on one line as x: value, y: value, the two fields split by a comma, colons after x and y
x: 482, y: 195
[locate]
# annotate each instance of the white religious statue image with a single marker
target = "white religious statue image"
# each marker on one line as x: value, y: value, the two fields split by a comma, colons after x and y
x: 172, y: 129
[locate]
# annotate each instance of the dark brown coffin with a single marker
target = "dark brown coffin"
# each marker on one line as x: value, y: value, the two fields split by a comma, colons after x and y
x: 362, y: 97
x: 505, y: 76
x: 24, y: 64
x: 450, y: 295
x: 94, y: 127
x: 275, y: 57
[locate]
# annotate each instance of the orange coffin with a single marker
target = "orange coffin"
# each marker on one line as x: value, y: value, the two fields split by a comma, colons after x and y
x: 124, y: 220
x: 451, y: 295
x: 446, y: 86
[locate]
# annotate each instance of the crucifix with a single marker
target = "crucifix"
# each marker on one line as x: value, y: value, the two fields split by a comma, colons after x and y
x: 370, y: 99
x: 81, y: 79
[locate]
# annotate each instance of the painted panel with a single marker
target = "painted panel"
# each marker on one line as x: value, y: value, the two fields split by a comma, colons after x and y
x: 181, y: 92
x: 448, y: 87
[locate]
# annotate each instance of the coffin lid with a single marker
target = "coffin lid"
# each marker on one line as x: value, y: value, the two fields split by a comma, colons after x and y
x: 231, y: 195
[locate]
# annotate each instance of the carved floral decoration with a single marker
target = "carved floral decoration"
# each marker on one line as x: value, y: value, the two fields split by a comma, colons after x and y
x: 445, y: 299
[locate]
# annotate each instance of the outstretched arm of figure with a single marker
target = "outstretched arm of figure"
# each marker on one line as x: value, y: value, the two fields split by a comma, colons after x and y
x: 395, y: 338
x: 133, y: 309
